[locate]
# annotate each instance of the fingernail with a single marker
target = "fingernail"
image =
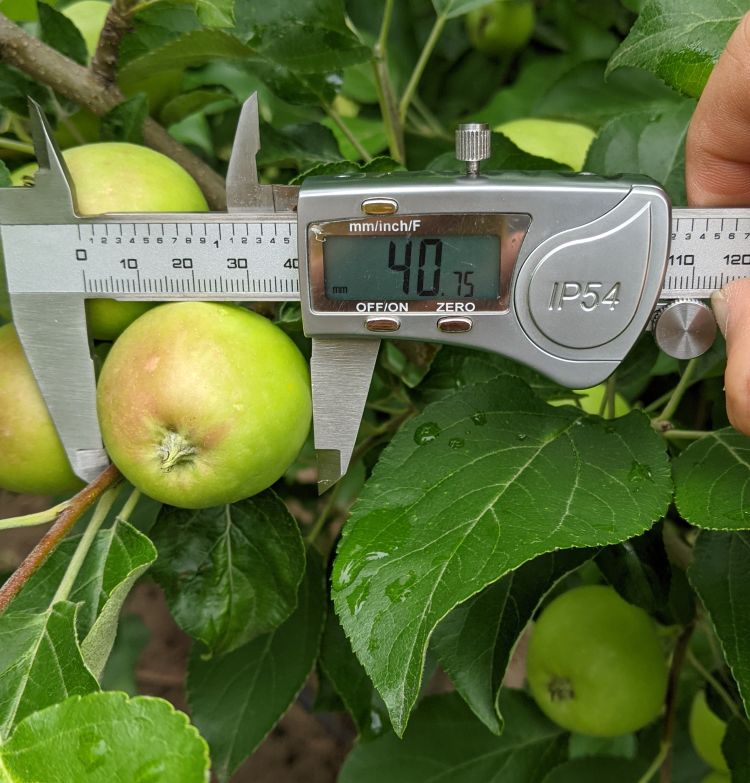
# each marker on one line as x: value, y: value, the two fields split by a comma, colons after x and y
x: 720, y: 306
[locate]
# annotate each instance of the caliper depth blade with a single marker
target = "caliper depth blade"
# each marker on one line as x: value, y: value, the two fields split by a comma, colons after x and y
x: 709, y: 249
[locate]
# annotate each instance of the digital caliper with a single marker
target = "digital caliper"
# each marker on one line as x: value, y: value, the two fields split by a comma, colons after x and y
x: 562, y: 272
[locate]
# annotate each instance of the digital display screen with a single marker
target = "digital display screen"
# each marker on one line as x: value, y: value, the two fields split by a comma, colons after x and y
x: 409, y: 268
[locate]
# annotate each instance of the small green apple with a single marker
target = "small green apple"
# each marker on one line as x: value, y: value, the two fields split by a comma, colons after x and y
x: 564, y: 142
x: 501, y: 27
x: 33, y: 459
x: 707, y: 732
x: 595, y: 663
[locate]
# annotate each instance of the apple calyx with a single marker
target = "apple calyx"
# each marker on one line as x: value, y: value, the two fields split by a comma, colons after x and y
x: 561, y: 689
x: 174, y: 449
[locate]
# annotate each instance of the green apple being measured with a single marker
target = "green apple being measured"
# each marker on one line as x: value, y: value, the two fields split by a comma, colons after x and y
x: 203, y: 404
x: 33, y: 459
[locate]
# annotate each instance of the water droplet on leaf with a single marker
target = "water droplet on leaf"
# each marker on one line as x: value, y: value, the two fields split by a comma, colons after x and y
x: 426, y: 433
x: 639, y: 472
x: 400, y: 589
x: 479, y: 418
x: 456, y: 443
x: 522, y: 436
x: 92, y: 750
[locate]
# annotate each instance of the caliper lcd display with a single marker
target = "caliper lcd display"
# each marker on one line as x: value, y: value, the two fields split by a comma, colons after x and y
x: 431, y: 262
x: 404, y: 268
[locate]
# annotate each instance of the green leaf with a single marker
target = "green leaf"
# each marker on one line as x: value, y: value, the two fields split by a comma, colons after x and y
x: 125, y: 121
x: 302, y: 146
x: 446, y: 742
x: 679, y: 41
x: 469, y: 490
x: 348, y: 678
x: 230, y: 573
x: 736, y: 748
x: 196, y: 47
x: 712, y: 481
x: 370, y: 134
x: 475, y: 641
x: 375, y: 166
x: 310, y: 36
x: 119, y: 673
x: 597, y: 769
x: 584, y: 94
x: 648, y: 142
x: 215, y: 13
x: 452, y: 8
x: 640, y: 572
x: 454, y: 368
x: 118, y: 557
x: 719, y: 575
x: 106, y: 737
x: 188, y: 103
x: 16, y: 88
x: 57, y: 31
x: 128, y: 556
x: 236, y: 699
x: 40, y: 662
x: 505, y: 156
x: 5, y: 181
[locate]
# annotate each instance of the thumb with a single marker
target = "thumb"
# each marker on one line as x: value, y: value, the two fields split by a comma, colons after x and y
x: 731, y: 307
x: 717, y: 154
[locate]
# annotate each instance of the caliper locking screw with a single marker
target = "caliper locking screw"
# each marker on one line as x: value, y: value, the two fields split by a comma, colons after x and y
x: 473, y: 145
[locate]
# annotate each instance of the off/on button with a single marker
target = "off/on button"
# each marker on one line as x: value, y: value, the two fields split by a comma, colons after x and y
x: 453, y: 325
x: 382, y: 324
x: 379, y: 206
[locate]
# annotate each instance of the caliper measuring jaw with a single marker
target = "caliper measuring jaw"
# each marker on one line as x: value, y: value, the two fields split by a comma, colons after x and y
x: 52, y: 326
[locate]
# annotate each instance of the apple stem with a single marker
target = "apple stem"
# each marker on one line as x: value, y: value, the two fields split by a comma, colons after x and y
x: 174, y: 449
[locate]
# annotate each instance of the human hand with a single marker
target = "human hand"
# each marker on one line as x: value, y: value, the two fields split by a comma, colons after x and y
x: 717, y: 173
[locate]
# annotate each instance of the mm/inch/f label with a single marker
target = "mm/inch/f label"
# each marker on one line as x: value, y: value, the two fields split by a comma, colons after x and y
x: 158, y: 260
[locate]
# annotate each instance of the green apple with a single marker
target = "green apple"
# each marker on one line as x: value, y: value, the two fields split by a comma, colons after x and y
x: 717, y: 777
x: 592, y: 399
x: 595, y: 663
x: 202, y: 404
x: 707, y: 732
x: 88, y: 16
x: 501, y: 27
x: 564, y: 142
x: 33, y: 459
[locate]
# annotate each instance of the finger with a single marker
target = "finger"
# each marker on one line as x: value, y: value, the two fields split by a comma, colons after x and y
x: 732, y: 310
x: 717, y: 165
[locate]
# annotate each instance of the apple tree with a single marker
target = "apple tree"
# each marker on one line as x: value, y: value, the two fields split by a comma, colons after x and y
x: 483, y: 500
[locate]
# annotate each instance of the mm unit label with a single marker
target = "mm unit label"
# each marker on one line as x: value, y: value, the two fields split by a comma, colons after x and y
x: 156, y: 260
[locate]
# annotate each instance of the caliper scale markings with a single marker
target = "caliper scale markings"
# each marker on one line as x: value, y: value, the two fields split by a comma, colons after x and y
x: 706, y: 252
x: 160, y: 259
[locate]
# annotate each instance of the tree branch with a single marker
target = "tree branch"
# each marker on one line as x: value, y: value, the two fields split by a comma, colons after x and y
x: 78, y: 84
x: 116, y: 24
x: 50, y: 540
x: 670, y: 715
